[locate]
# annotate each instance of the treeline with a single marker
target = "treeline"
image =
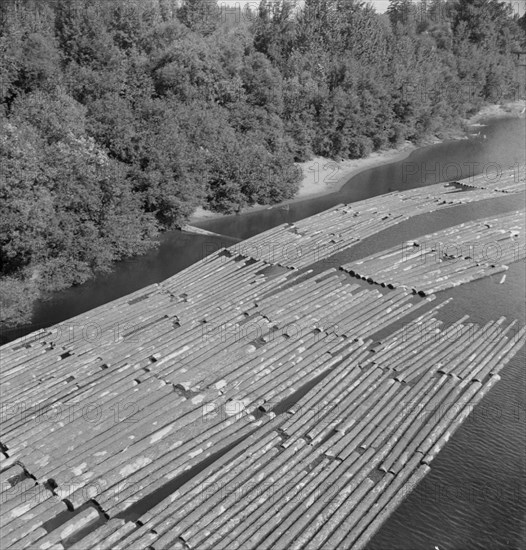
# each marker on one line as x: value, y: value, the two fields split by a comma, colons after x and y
x: 119, y: 117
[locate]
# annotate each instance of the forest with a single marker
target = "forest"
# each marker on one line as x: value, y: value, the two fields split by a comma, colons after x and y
x: 119, y: 117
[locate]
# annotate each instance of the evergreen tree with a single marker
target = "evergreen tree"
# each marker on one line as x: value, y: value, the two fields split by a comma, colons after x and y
x: 201, y: 16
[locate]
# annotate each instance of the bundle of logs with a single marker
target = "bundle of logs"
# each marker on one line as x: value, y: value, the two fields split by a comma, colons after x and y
x: 448, y: 258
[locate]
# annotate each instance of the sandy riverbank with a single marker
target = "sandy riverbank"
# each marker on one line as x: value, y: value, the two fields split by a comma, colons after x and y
x: 489, y: 112
x: 322, y: 175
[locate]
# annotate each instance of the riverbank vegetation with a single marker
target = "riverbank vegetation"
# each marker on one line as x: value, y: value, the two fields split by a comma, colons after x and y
x: 119, y: 117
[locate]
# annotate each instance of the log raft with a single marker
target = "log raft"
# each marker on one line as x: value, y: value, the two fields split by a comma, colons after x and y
x: 260, y: 395
x: 447, y: 258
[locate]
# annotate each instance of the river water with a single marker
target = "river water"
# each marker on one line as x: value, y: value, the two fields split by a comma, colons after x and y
x: 474, y: 496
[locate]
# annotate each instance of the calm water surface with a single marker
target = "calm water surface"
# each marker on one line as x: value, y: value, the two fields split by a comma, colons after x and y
x: 473, y: 498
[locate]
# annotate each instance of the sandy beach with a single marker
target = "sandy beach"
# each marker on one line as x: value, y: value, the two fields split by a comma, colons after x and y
x: 323, y: 175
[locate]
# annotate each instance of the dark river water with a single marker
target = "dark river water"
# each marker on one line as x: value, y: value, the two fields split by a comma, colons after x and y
x: 474, y: 497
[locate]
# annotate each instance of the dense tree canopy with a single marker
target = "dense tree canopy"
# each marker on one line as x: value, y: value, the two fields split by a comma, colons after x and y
x: 119, y: 117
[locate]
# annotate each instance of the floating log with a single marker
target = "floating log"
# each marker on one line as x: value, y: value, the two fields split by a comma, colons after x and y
x: 405, y: 430
x: 291, y: 507
x: 74, y: 525
x: 111, y: 542
x: 332, y: 515
x: 382, y: 509
x: 495, y: 363
x: 31, y: 520
x: 269, y: 476
x: 10, y: 475
x: 30, y: 539
x: 98, y: 535
x: 225, y: 469
x: 263, y: 507
x: 450, y: 426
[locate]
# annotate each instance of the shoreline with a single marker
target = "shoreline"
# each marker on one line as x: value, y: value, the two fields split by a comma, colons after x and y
x: 491, y: 112
x: 323, y: 176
